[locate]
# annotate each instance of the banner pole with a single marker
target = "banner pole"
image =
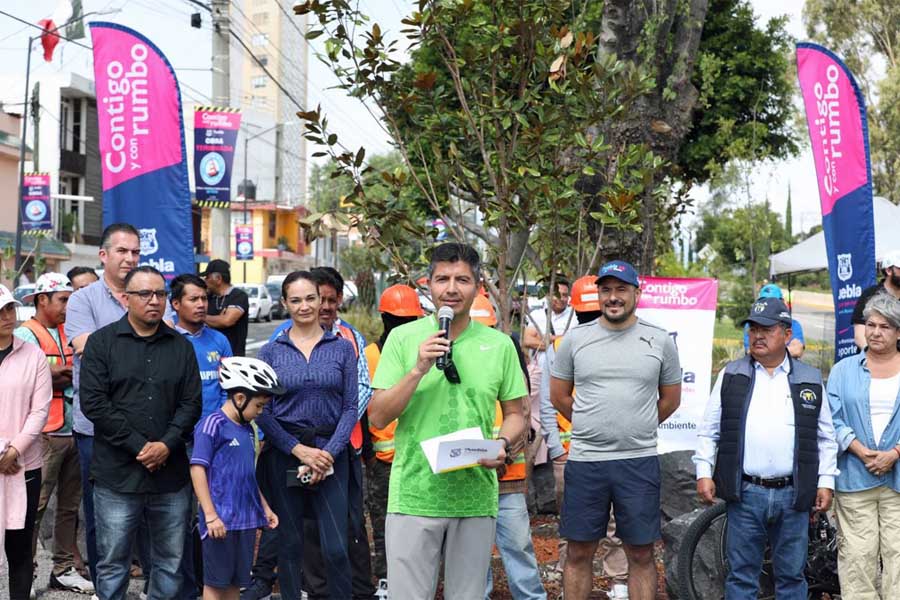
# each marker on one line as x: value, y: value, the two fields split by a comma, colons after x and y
x: 244, y: 183
x: 18, y: 258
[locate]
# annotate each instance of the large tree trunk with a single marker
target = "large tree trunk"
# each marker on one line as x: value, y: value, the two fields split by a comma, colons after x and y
x: 661, y: 119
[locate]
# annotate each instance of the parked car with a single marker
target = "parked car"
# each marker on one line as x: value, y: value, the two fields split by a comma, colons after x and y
x: 350, y: 295
x: 279, y: 311
x: 260, y: 301
x: 27, y: 310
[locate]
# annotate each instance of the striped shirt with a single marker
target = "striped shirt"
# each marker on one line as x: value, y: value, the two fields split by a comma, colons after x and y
x: 320, y: 392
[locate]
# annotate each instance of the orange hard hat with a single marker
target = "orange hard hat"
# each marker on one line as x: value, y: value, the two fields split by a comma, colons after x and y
x: 584, y: 294
x: 483, y: 311
x: 400, y: 300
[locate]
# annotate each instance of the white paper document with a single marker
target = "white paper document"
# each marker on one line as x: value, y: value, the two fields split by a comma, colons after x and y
x: 459, y: 450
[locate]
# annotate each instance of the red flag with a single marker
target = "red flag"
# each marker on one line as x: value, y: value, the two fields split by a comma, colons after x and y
x: 49, y: 39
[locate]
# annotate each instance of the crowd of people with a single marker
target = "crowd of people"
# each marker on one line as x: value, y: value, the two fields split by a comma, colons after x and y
x: 221, y: 475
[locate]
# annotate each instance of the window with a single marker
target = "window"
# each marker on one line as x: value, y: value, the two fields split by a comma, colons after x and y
x: 260, y: 18
x: 76, y: 126
x: 259, y: 39
x: 272, y: 222
x: 71, y: 125
x: 65, y: 123
x: 71, y: 215
x: 262, y: 59
x: 259, y: 82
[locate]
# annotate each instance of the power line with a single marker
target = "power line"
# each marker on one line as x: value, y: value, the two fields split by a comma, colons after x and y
x: 36, y: 26
x: 265, y: 70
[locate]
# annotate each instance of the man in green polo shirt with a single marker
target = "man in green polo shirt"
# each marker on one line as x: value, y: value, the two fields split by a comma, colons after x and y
x: 451, y: 513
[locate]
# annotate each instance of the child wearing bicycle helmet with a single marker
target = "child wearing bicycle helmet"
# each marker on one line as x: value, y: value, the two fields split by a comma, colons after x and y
x: 223, y: 471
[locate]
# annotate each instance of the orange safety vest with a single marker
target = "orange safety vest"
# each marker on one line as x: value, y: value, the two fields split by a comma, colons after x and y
x: 515, y: 471
x: 356, y: 437
x: 564, y: 425
x: 55, y: 355
x: 382, y: 439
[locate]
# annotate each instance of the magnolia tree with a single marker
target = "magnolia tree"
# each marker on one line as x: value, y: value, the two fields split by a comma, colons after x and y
x: 499, y: 119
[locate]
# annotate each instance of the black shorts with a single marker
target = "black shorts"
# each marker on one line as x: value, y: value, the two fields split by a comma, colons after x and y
x: 630, y: 486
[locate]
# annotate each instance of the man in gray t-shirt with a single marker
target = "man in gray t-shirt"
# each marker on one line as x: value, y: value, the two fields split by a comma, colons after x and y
x: 616, y: 379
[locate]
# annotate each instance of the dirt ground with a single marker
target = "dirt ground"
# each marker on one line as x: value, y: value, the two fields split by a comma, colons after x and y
x: 546, y: 541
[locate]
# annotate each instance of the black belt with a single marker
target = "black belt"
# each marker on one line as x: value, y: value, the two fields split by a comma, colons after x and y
x: 774, y: 482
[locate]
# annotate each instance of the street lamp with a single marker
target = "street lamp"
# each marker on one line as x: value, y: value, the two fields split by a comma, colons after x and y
x: 244, y: 182
x: 31, y: 40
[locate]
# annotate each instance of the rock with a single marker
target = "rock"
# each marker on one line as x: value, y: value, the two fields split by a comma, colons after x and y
x: 679, y: 484
x: 542, y: 490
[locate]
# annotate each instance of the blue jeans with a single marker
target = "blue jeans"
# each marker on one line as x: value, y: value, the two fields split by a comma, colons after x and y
x: 119, y: 517
x: 85, y: 444
x: 765, y: 515
x: 329, y: 502
x: 516, y: 550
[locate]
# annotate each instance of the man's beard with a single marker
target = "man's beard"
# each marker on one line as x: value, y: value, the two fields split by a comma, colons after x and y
x: 626, y: 314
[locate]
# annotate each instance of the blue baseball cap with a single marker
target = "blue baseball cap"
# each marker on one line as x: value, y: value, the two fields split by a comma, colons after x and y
x: 768, y: 312
x: 621, y: 270
x: 770, y: 290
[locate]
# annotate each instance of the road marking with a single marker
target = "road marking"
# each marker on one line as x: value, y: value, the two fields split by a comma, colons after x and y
x: 256, y: 345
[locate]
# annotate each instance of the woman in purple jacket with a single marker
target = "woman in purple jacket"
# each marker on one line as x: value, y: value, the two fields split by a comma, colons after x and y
x: 307, y: 434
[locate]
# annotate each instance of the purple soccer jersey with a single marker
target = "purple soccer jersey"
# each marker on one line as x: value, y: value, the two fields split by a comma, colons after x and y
x: 226, y: 450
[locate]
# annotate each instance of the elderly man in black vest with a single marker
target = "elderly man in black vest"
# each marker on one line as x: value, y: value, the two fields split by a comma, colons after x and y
x: 767, y: 447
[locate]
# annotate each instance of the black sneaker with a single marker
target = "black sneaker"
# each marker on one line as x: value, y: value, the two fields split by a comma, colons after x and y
x: 258, y: 590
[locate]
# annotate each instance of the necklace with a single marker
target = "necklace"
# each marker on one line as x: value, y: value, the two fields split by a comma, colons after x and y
x: 219, y: 301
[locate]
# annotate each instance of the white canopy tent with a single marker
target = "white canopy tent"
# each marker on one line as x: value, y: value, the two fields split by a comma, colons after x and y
x: 810, y: 254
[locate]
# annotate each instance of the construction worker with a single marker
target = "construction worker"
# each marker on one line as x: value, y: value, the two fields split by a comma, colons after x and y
x: 513, y: 538
x: 557, y: 432
x: 399, y: 304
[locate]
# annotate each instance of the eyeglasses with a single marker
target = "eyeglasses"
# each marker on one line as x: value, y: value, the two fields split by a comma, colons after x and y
x: 145, y: 295
x: 451, y: 373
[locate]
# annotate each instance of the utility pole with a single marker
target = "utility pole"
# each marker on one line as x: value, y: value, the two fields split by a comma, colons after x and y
x: 220, y: 218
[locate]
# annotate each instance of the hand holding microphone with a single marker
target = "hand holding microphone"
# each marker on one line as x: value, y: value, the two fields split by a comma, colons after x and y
x: 437, y: 345
x: 445, y: 318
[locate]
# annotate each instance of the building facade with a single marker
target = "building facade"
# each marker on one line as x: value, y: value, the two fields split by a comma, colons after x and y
x: 278, y: 44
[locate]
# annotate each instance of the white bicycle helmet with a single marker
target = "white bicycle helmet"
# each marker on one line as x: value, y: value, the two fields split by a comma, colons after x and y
x: 252, y: 374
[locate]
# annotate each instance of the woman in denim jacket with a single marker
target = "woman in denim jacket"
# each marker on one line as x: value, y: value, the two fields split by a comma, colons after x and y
x: 863, y: 391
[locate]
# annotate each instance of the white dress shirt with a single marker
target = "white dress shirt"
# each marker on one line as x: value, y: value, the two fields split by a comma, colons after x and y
x: 769, y: 431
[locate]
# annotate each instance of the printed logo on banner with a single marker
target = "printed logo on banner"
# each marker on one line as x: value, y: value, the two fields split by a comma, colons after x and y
x: 35, y: 210
x: 149, y: 245
x: 212, y: 168
x: 844, y: 266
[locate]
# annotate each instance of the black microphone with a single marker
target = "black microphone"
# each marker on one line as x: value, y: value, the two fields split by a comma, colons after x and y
x: 445, y: 317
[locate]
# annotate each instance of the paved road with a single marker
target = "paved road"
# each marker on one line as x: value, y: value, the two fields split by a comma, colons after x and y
x: 816, y: 313
x: 258, y: 334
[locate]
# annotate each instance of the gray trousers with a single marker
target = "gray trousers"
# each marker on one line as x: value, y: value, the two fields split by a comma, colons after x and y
x: 415, y: 546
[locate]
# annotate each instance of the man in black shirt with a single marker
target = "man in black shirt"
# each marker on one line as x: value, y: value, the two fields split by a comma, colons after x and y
x: 890, y: 266
x: 140, y: 386
x: 228, y: 306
